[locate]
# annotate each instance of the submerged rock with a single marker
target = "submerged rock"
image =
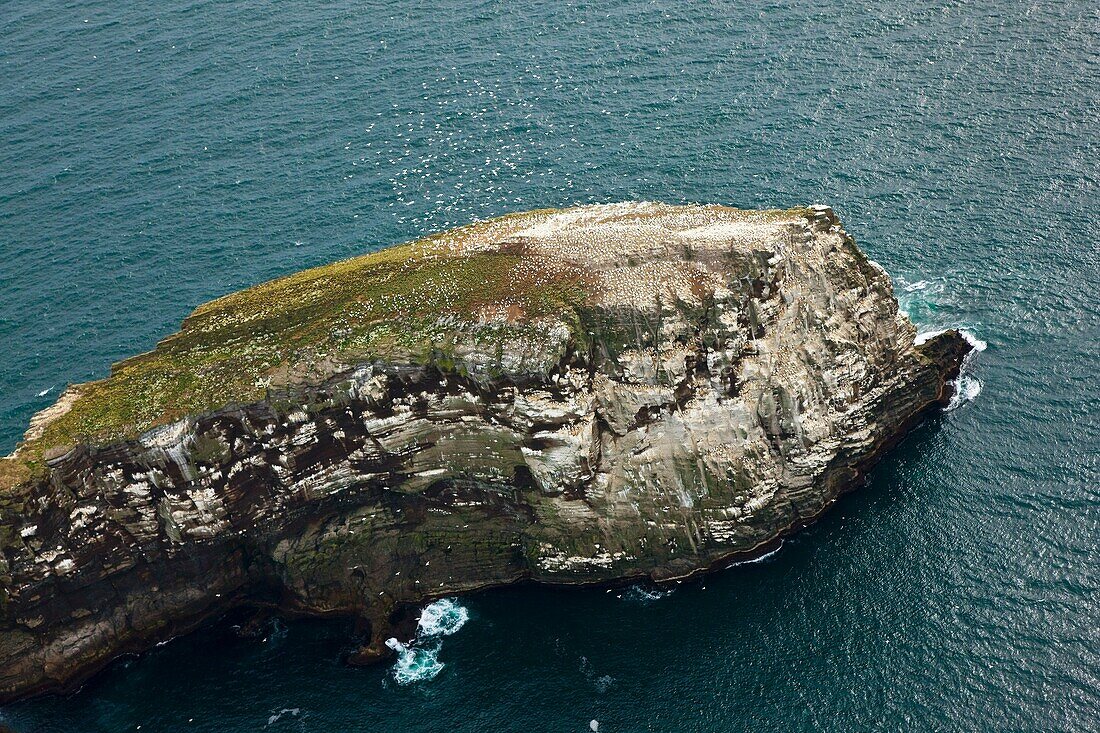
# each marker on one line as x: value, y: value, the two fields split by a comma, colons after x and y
x: 578, y: 396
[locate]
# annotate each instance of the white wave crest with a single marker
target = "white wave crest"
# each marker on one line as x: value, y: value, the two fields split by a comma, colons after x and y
x: 924, y: 337
x: 919, y: 285
x: 927, y: 335
x: 967, y: 389
x: 418, y: 661
x: 643, y: 594
x: 441, y: 618
x: 603, y: 683
x: 976, y: 343
x: 415, y: 664
x: 275, y: 717
x: 762, y: 558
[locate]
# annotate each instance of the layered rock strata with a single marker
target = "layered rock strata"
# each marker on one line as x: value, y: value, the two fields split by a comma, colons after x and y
x: 623, y: 391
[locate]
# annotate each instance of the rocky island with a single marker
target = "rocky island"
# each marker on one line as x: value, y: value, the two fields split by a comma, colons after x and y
x: 578, y: 396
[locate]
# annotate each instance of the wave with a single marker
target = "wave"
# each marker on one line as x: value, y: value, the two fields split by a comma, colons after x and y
x: 967, y: 387
x: 415, y: 663
x: 442, y: 618
x: 645, y: 594
x: 761, y: 558
x: 276, y: 716
x: 971, y: 338
x: 418, y: 661
x: 975, y: 342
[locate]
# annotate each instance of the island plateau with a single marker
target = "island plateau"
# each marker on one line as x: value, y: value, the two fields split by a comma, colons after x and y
x: 599, y: 394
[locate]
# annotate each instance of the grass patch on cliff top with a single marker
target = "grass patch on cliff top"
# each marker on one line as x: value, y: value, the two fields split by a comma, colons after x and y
x: 300, y: 328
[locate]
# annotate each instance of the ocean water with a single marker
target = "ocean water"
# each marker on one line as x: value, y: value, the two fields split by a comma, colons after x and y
x: 156, y: 155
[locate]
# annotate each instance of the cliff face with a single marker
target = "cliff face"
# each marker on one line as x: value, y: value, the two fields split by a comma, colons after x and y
x: 607, y: 392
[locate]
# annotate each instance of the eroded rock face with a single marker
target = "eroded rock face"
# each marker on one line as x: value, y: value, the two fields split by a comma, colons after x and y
x: 727, y: 378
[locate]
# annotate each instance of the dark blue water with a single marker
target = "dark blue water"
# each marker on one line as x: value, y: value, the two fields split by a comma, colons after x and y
x: 156, y: 155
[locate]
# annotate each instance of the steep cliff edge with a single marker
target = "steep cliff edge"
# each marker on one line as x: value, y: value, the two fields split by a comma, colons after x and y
x: 577, y: 396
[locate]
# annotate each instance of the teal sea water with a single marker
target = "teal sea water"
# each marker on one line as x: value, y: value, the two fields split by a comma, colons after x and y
x: 156, y: 155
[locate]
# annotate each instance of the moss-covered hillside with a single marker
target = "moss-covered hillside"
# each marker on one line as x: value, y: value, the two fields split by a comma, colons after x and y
x: 271, y: 336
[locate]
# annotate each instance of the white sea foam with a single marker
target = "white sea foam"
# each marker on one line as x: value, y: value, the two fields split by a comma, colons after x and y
x: 762, y: 558
x: 415, y: 663
x: 45, y: 392
x: 603, y: 683
x: 418, y: 661
x: 917, y: 299
x: 976, y: 343
x: 276, y: 716
x: 967, y: 389
x: 926, y: 336
x: 644, y: 594
x: 442, y: 618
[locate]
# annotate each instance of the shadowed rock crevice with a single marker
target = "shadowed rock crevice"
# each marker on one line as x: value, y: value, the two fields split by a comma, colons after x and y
x: 572, y: 397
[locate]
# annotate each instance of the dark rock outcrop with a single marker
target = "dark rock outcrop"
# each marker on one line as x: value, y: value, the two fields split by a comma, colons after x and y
x: 715, y: 379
